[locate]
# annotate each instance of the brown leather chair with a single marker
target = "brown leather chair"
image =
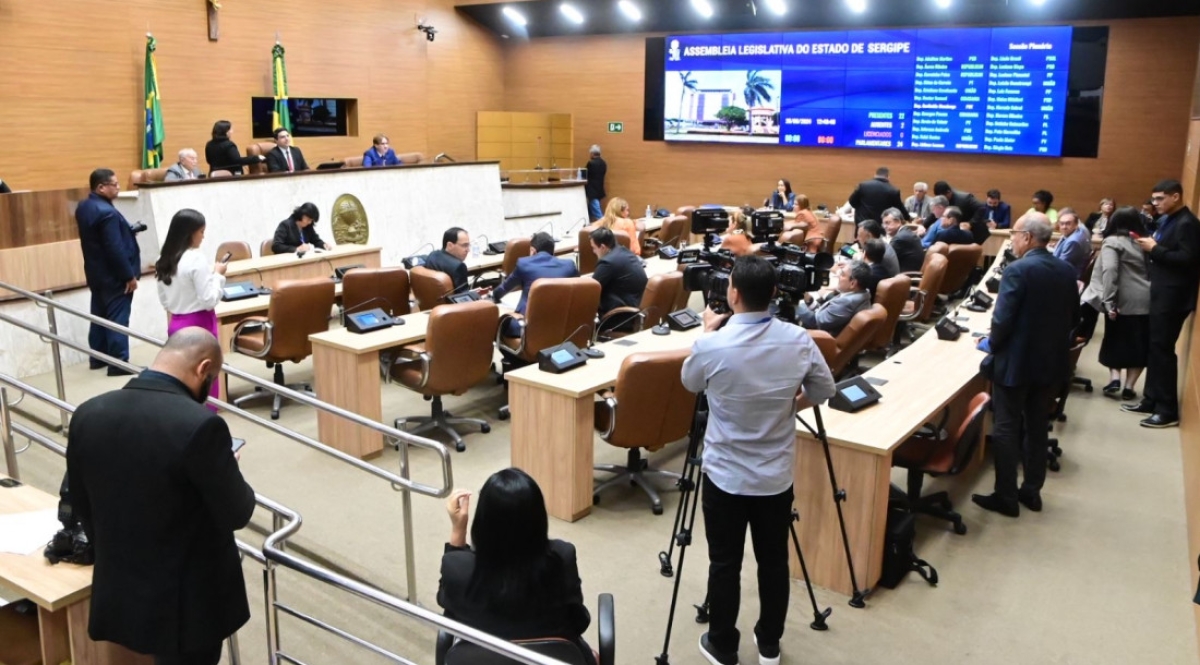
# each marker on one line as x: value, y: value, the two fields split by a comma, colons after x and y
x: 259, y: 150
x: 220, y: 173
x: 938, y: 247
x: 686, y: 211
x: 924, y: 297
x: 556, y: 307
x: 147, y: 175
x: 265, y: 248
x: 892, y: 293
x: 842, y: 351
x: 793, y: 237
x: 517, y: 248
x: 963, y: 259
x: 410, y: 157
x: 829, y: 229
x: 648, y: 408
x: 368, y: 288
x: 588, y: 258
x: 353, y: 162
x: 658, y: 300
x: 429, y: 287
x: 456, y: 355
x: 298, y: 308
x: 941, y: 454
x: 238, y: 249
x: 674, y: 231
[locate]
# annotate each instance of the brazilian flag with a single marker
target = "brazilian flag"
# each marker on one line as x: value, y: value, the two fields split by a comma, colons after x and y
x: 152, y: 150
x: 281, y: 117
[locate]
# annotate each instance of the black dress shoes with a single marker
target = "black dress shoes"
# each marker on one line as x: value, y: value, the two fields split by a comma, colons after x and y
x: 1139, y: 407
x: 117, y: 371
x: 1031, y: 500
x: 1159, y: 421
x: 997, y: 505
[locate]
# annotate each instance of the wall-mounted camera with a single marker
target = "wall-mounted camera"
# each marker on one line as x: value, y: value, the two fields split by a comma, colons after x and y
x: 429, y: 30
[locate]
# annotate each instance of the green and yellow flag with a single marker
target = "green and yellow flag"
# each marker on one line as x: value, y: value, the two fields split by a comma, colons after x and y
x: 152, y: 149
x: 281, y: 117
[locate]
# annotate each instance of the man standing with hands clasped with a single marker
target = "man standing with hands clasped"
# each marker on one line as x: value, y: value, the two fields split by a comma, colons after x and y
x: 1173, y: 255
x: 752, y: 370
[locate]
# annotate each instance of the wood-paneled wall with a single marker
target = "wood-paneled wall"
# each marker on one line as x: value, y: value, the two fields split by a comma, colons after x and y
x: 1142, y: 137
x: 72, y: 87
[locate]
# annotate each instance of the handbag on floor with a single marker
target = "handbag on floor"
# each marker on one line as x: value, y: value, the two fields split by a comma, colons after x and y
x: 899, y: 558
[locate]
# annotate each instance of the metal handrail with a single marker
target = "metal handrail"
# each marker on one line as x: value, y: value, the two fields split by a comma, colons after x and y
x: 400, y: 482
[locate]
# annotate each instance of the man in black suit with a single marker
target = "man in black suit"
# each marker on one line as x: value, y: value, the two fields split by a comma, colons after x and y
x: 903, y: 240
x: 620, y: 273
x: 298, y: 232
x: 1174, y: 263
x: 155, y: 483
x: 969, y: 205
x: 285, y: 157
x: 456, y: 245
x: 597, y: 168
x: 1036, y: 311
x: 111, y: 264
x: 873, y: 196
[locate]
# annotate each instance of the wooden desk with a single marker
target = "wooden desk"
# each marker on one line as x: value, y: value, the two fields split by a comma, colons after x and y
x: 487, y: 262
x: 552, y: 419
x: 927, y: 376
x: 61, y: 593
x: 270, y: 270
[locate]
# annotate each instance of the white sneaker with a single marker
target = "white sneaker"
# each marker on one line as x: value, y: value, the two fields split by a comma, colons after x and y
x: 765, y: 659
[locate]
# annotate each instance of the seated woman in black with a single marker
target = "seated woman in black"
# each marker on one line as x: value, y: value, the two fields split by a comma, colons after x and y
x: 516, y: 583
x: 296, y: 233
x: 222, y: 153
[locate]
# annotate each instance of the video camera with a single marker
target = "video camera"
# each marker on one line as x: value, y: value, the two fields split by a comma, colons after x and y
x: 705, y: 270
x: 70, y: 544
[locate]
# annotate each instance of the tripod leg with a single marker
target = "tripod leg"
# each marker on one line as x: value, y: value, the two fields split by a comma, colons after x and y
x: 685, y: 539
x: 819, y: 615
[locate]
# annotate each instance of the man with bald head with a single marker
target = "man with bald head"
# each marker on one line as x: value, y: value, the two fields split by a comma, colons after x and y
x: 1029, y: 342
x: 154, y: 481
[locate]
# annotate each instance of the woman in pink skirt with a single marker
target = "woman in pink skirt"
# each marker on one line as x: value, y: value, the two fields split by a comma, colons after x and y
x: 189, y: 285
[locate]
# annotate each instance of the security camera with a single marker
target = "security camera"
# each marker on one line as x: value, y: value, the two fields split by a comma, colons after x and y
x: 429, y: 30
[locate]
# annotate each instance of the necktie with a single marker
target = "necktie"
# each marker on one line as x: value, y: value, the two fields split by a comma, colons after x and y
x: 288, y: 154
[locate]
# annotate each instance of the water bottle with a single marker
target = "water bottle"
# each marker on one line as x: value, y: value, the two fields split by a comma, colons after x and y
x: 475, y: 250
x: 649, y: 212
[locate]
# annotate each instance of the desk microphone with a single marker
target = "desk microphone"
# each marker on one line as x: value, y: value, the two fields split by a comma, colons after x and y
x: 579, y: 222
x: 634, y: 315
x: 547, y: 225
x: 588, y: 349
x: 451, y: 292
x: 370, y: 301
x: 413, y: 260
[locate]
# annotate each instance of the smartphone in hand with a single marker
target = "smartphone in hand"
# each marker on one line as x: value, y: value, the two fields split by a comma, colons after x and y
x: 238, y: 443
x: 228, y: 255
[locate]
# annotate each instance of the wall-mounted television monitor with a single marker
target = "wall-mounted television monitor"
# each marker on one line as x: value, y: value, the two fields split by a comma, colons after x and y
x: 311, y: 116
x: 1001, y: 90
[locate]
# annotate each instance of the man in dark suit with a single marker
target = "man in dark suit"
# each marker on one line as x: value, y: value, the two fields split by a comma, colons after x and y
x: 1036, y: 311
x: 898, y: 233
x: 155, y: 483
x: 597, y: 168
x: 950, y: 229
x: 111, y: 264
x: 456, y: 245
x: 1174, y: 266
x: 540, y: 263
x: 620, y: 273
x: 968, y: 204
x: 873, y: 255
x: 297, y: 233
x: 996, y: 214
x: 833, y: 311
x: 873, y: 196
x: 285, y: 157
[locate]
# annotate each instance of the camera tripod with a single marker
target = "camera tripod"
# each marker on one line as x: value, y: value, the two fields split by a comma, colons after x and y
x: 685, y: 519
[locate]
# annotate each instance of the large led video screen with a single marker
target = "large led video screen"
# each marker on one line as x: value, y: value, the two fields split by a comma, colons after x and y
x: 969, y: 90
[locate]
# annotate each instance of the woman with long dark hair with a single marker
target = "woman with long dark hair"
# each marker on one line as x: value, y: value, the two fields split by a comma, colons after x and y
x: 1120, y: 289
x: 222, y: 153
x: 189, y: 286
x: 516, y: 583
x: 782, y: 198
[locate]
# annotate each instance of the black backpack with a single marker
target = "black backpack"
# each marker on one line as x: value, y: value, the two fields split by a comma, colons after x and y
x: 899, y: 559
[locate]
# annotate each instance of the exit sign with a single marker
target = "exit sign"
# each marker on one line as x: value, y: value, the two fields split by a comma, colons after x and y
x: 616, y: 127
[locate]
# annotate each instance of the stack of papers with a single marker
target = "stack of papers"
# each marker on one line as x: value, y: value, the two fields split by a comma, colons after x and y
x: 27, y: 533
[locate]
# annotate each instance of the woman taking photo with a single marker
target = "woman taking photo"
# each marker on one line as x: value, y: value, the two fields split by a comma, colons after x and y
x: 222, y: 153
x: 1120, y: 289
x: 782, y: 198
x: 189, y: 285
x: 616, y: 218
x: 515, y: 583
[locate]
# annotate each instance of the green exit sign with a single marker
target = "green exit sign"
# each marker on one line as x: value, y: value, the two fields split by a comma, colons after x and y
x: 616, y: 127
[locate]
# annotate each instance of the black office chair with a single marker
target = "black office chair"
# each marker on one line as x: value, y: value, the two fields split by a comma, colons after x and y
x: 453, y: 651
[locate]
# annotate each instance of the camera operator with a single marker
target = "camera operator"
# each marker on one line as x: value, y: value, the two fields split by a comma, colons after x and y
x: 833, y: 311
x: 751, y: 370
x: 155, y: 483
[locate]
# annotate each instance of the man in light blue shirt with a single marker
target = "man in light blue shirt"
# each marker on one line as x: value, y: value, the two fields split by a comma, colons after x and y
x: 752, y: 370
x: 1075, y: 246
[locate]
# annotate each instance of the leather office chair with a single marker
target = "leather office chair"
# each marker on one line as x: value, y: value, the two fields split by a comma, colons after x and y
x: 410, y: 157
x: 220, y: 173
x: 256, y: 150
x: 353, y: 162
x: 298, y: 308
x: 941, y: 455
x: 938, y: 247
x: 793, y: 237
x: 429, y: 287
x: 922, y: 300
x: 588, y: 258
x: 674, y: 231
x: 648, y: 408
x: 456, y: 355
x: 368, y: 288
x: 265, y: 247
x: 452, y: 651
x: 842, y: 351
x: 514, y: 249
x: 658, y: 300
x: 558, y: 309
x: 686, y: 211
x: 239, y: 249
x: 963, y: 259
x: 147, y: 175
x: 892, y: 293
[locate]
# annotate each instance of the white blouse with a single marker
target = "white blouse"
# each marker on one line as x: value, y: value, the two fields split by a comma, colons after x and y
x: 194, y: 288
